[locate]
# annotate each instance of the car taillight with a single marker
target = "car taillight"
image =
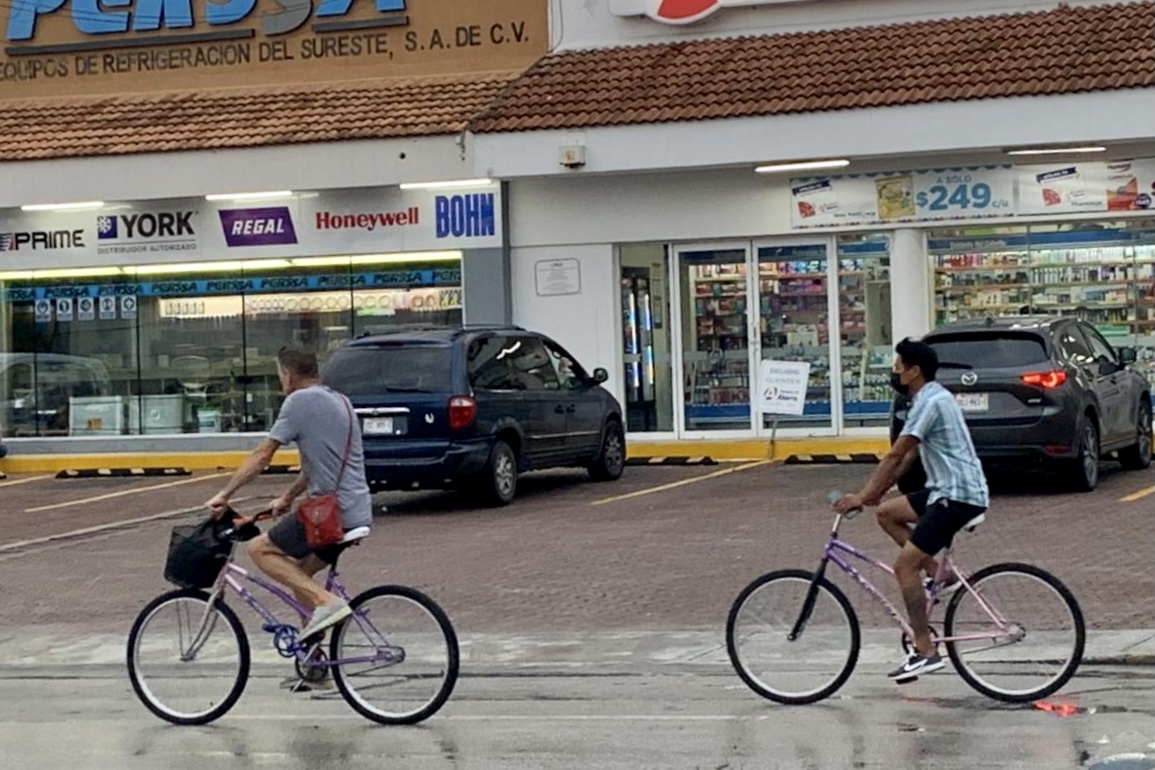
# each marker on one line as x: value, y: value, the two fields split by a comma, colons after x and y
x: 1046, y: 379
x: 462, y: 412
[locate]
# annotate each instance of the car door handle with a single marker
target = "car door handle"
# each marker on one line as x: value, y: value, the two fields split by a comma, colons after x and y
x: 559, y: 409
x: 570, y: 409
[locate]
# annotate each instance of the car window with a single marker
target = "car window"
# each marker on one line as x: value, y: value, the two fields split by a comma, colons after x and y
x: 990, y: 350
x: 532, y: 367
x: 1099, y: 346
x: 569, y: 371
x: 1074, y: 346
x: 488, y: 368
x: 369, y: 371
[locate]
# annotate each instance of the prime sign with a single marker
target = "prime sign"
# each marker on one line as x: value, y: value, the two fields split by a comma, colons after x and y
x: 90, y: 18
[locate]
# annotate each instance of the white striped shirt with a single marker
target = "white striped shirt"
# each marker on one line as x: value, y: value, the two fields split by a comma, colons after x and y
x: 953, y: 470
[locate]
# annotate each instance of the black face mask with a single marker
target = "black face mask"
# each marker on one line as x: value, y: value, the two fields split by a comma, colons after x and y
x: 897, y: 384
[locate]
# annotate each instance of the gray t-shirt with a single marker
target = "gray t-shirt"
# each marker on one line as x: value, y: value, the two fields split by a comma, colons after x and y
x: 318, y: 419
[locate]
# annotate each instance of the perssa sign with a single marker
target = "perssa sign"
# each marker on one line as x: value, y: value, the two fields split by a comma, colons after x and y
x: 155, y: 15
x: 74, y: 47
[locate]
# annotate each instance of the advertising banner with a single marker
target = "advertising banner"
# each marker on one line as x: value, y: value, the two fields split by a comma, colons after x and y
x: 973, y: 193
x: 340, y: 223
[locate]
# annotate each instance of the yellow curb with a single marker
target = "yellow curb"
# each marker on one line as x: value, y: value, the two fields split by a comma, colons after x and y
x: 758, y: 449
x: 194, y: 461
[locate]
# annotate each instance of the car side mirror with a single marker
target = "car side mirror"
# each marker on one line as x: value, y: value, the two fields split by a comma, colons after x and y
x: 1107, y: 366
x: 1127, y: 356
x: 600, y: 375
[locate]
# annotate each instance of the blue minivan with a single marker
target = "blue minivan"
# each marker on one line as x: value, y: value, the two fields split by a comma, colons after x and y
x: 473, y: 407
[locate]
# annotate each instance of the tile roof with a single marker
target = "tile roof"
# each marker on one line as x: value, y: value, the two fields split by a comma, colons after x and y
x: 243, y: 117
x: 1065, y: 50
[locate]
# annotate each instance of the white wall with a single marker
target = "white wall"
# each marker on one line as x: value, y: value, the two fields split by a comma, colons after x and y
x: 585, y: 324
x: 647, y: 208
x: 589, y: 23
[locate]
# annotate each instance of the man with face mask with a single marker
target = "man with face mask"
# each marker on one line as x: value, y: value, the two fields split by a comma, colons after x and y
x: 956, y: 493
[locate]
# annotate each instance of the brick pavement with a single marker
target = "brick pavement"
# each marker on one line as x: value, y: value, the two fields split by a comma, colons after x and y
x: 552, y: 562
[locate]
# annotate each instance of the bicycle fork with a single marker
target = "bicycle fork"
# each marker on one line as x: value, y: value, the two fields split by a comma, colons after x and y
x: 808, y: 602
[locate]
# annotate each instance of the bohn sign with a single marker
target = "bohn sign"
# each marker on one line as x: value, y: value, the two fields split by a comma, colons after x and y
x: 683, y: 11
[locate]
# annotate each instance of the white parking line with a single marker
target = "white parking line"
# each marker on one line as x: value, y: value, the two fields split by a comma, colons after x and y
x: 1137, y: 495
x: 682, y: 483
x: 17, y: 482
x: 124, y: 492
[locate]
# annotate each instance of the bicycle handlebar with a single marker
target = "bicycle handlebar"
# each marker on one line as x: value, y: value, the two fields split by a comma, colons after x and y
x: 834, y: 497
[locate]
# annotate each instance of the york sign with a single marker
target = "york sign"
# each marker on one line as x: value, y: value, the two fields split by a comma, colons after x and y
x: 91, y: 18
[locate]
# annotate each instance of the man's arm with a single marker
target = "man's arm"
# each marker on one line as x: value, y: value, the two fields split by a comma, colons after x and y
x: 894, y: 464
x: 256, y: 462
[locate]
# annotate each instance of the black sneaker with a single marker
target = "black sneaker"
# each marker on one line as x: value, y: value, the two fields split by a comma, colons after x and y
x: 915, y: 665
x: 942, y: 591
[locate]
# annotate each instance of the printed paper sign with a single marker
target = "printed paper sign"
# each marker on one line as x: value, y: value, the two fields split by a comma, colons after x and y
x: 1062, y: 189
x: 782, y: 386
x: 128, y: 307
x: 43, y: 310
x: 964, y: 193
x: 64, y: 309
x: 86, y: 309
x: 833, y: 201
x: 107, y: 308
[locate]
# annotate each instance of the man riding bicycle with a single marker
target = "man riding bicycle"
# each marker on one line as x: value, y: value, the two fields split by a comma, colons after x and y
x: 956, y: 493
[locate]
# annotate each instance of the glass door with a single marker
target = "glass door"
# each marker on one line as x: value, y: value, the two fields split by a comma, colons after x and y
x: 794, y: 322
x: 867, y: 344
x: 649, y: 399
x: 715, y: 338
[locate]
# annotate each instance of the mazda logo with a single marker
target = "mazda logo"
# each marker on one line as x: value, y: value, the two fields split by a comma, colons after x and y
x: 970, y: 378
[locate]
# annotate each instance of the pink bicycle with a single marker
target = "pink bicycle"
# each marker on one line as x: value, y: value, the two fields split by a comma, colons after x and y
x: 1012, y: 631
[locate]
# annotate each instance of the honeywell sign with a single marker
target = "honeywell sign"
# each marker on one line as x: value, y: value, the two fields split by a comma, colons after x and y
x: 370, y: 221
x: 683, y: 11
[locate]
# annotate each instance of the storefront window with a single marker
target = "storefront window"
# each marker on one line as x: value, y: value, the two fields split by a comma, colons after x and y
x: 795, y: 320
x: 1100, y: 271
x: 191, y: 348
x: 716, y: 345
x: 646, y: 339
x: 867, y: 344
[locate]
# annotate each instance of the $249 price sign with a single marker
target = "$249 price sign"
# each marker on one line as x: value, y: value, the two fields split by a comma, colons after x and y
x: 962, y: 195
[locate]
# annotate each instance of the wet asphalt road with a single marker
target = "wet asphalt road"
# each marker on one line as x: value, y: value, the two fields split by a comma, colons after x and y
x: 676, y: 719
x: 590, y: 617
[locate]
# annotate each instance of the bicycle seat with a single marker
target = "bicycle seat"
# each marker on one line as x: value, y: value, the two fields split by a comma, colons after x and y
x: 973, y: 523
x: 355, y: 534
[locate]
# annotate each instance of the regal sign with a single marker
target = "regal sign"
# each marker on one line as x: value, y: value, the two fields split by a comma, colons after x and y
x: 85, y: 47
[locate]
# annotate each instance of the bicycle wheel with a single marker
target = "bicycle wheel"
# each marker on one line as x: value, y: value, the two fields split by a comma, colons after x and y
x: 181, y: 676
x: 396, y: 656
x: 1026, y: 642
x: 811, y: 667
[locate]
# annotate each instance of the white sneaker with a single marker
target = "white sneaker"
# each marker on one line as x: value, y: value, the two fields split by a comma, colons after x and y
x: 323, y: 617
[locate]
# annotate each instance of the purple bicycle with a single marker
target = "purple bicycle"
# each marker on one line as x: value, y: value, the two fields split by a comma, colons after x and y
x: 1012, y: 631
x: 394, y: 660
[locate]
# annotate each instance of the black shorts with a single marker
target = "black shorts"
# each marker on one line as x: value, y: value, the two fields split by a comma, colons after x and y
x: 938, y: 523
x: 288, y: 534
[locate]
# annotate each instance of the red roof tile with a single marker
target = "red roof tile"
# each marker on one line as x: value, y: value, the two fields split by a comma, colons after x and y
x: 1066, y: 50
x: 242, y: 117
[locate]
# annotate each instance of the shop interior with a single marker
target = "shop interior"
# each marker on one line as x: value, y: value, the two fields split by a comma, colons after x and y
x: 191, y: 348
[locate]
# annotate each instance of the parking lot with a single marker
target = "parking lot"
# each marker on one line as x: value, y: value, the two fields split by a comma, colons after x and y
x: 664, y: 549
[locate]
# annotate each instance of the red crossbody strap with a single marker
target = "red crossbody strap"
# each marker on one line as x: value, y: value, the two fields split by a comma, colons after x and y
x: 348, y: 441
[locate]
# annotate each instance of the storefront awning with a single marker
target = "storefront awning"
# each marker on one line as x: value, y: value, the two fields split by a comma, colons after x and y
x: 243, y: 117
x: 1068, y: 50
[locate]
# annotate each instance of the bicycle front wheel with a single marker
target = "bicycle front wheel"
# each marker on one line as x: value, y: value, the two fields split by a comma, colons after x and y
x: 813, y: 665
x: 1021, y: 630
x: 395, y: 659
x: 188, y: 662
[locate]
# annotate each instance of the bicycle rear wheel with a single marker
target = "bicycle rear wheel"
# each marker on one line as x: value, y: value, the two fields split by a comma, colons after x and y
x: 188, y: 663
x: 1027, y: 641
x: 396, y: 657
x: 817, y: 662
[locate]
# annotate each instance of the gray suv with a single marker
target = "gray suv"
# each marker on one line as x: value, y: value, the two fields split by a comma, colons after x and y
x: 1042, y: 390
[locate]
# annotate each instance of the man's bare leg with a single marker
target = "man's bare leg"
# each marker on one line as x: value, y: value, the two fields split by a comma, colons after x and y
x: 896, y: 518
x: 907, y: 569
x: 289, y: 572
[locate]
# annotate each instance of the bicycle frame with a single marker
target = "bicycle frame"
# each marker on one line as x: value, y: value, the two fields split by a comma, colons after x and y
x: 234, y: 577
x: 836, y: 550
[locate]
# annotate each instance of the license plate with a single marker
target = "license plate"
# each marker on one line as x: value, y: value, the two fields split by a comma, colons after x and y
x: 972, y: 402
x: 378, y: 426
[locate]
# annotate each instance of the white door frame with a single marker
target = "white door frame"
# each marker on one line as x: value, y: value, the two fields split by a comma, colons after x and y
x: 678, y: 338
x: 834, y: 331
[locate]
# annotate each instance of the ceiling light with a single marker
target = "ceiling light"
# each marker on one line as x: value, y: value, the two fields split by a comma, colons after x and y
x: 1057, y: 150
x: 188, y: 267
x: 253, y: 196
x: 82, y: 206
x: 266, y: 264
x: 446, y: 185
x: 17, y: 275
x: 77, y: 272
x: 806, y: 165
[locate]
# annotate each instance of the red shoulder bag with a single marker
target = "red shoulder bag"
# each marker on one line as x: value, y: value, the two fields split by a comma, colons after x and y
x: 321, y: 515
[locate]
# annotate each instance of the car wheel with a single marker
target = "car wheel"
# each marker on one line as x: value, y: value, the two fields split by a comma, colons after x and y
x: 611, y: 459
x: 1085, y: 468
x: 499, y: 482
x: 1138, y: 456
